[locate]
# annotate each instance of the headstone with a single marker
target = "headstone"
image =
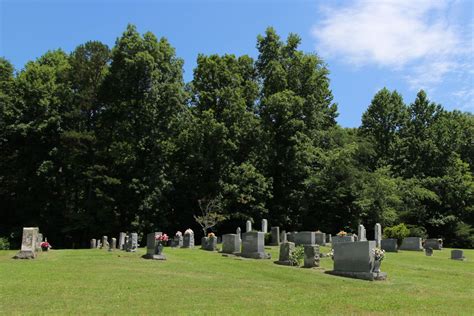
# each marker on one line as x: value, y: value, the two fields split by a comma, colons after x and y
x: 121, y: 243
x: 39, y: 240
x: 248, y: 226
x: 177, y: 240
x: 152, y: 247
x: 105, y: 242
x: 361, y: 233
x: 283, y: 236
x: 253, y: 245
x: 378, y: 234
x: 311, y: 256
x: 93, y: 243
x: 114, y: 243
x: 209, y: 243
x: 329, y: 239
x: 428, y: 251
x: 28, y: 243
x: 356, y: 260
x: 411, y: 243
x: 436, y: 244
x: 389, y: 245
x: 275, y: 236
x: 99, y: 244
x: 457, y: 254
x: 238, y: 231
x: 286, y: 248
x: 132, y: 242
x: 305, y: 238
x: 320, y: 238
x: 341, y: 239
x: 127, y: 243
x: 188, y: 240
x: 291, y: 236
x: 264, y: 226
x: 231, y: 243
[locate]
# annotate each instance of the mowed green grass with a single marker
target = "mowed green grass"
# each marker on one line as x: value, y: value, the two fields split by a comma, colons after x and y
x: 195, y: 282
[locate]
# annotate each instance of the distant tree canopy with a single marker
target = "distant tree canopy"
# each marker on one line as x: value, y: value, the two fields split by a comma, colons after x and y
x: 103, y: 140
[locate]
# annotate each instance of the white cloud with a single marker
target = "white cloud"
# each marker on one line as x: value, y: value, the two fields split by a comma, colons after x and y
x: 420, y: 39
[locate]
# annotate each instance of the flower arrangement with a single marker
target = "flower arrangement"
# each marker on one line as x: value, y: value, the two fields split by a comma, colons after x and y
x: 211, y: 235
x: 189, y: 231
x: 330, y: 254
x: 342, y: 233
x: 45, y: 244
x: 379, y: 254
x: 162, y: 238
x: 178, y: 234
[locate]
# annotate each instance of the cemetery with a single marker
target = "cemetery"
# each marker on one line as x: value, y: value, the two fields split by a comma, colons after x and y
x: 235, y: 268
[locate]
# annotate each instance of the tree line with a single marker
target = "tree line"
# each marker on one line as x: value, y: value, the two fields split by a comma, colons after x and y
x: 104, y: 140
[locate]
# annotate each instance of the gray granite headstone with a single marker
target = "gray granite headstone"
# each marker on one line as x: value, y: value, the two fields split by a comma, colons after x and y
x: 188, y: 240
x: 132, y: 242
x: 99, y: 244
x: 291, y: 236
x: 342, y: 239
x: 286, y: 248
x: 248, y: 226
x: 435, y: 244
x: 264, y: 226
x: 209, y: 243
x: 152, y: 247
x: 457, y: 254
x: 238, y: 231
x: 93, y: 243
x: 311, y: 256
x: 114, y: 243
x: 253, y: 245
x: 105, y: 242
x: 411, y: 243
x: 28, y: 243
x: 127, y: 243
x: 231, y: 243
x: 329, y: 239
x: 361, y: 233
x: 389, y: 245
x: 283, y: 236
x: 177, y: 241
x: 320, y: 238
x: 356, y: 260
x: 121, y: 243
x: 305, y: 238
x: 378, y: 234
x: 429, y: 251
x: 275, y: 236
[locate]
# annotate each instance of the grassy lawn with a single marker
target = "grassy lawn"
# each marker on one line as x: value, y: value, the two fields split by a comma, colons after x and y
x: 193, y: 281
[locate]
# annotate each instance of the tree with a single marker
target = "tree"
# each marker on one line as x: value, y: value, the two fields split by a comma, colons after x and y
x: 210, y: 214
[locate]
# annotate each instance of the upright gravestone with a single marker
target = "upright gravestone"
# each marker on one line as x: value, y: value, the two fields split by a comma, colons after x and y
x: 114, y: 243
x: 99, y: 244
x: 428, y: 251
x: 127, y: 243
x: 105, y: 242
x: 93, y: 243
x: 389, y: 245
x: 28, y: 243
x: 341, y: 239
x: 153, y: 249
x: 283, y: 236
x: 411, y: 243
x: 356, y: 260
x: 188, y: 239
x: 305, y: 238
x: 231, y: 243
x: 238, y: 231
x: 132, y: 242
x: 329, y: 239
x: 311, y: 256
x: 39, y: 240
x: 286, y: 248
x: 275, y: 236
x: 361, y: 233
x: 378, y: 234
x: 177, y: 240
x: 264, y: 226
x: 436, y: 244
x: 248, y: 226
x: 291, y: 236
x: 209, y: 243
x: 457, y: 254
x: 121, y: 243
x: 320, y: 238
x: 253, y: 245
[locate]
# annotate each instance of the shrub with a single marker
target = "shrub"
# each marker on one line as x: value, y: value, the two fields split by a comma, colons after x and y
x: 296, y: 256
x: 398, y: 232
x: 4, y: 243
x: 268, y: 238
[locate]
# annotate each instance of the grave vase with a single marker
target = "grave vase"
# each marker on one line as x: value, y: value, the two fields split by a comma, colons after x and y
x: 377, y: 264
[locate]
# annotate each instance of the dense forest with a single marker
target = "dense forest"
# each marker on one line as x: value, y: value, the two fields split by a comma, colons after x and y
x: 104, y: 140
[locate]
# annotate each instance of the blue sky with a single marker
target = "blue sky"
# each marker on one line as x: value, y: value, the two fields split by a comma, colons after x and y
x: 367, y: 44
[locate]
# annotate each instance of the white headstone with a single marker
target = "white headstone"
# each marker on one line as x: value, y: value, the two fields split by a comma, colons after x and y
x: 264, y: 226
x: 28, y: 243
x: 248, y: 226
x: 378, y: 235
x: 361, y: 233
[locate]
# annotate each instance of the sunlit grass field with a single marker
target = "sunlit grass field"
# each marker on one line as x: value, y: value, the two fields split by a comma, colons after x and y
x: 196, y: 282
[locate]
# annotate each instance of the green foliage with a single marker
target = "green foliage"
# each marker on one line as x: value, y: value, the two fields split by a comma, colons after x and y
x: 297, y: 256
x: 4, y: 243
x: 398, y: 232
x: 417, y: 231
